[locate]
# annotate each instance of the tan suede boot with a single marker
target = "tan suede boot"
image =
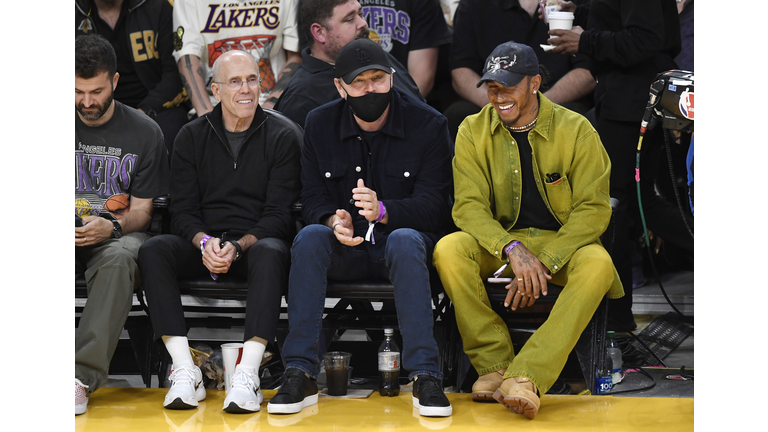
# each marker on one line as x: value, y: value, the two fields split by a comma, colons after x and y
x: 519, y: 395
x: 486, y: 385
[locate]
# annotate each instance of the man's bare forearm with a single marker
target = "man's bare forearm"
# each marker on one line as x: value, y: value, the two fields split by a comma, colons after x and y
x: 138, y: 217
x: 572, y: 86
x: 286, y: 75
x: 422, y: 65
x: 194, y: 82
x: 465, y: 82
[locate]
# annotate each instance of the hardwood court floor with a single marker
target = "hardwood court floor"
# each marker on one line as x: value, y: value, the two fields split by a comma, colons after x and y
x: 140, y: 409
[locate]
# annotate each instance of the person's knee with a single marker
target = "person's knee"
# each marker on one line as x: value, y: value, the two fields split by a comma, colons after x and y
x: 153, y: 251
x: 405, y: 239
x: 116, y: 255
x: 454, y: 246
x: 271, y: 249
x: 312, y: 236
x: 597, y: 262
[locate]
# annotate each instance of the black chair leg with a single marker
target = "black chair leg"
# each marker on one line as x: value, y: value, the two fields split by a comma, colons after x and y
x: 591, y: 347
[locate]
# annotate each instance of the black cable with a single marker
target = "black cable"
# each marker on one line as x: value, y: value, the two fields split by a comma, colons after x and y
x: 661, y: 286
x: 640, y: 369
x: 661, y: 362
x: 645, y: 228
x: 674, y: 184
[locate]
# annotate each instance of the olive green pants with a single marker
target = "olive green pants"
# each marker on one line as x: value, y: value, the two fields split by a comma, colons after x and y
x: 112, y: 275
x: 463, y: 265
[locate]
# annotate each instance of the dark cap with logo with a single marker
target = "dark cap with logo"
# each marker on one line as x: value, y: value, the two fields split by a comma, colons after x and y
x: 509, y: 63
x: 359, y: 56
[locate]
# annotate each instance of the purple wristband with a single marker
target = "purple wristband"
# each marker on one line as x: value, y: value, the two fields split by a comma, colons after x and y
x: 203, y: 242
x: 509, y: 248
x: 382, y: 212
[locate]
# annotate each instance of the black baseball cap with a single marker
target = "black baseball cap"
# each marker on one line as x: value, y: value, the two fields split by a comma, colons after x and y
x: 509, y: 63
x: 359, y: 56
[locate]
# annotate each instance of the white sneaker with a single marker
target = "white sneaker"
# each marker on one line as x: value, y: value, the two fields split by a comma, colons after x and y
x: 244, y: 394
x: 186, y: 388
x: 81, y: 397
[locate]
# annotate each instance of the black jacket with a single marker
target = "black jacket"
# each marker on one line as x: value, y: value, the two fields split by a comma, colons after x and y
x: 630, y: 41
x: 148, y: 21
x: 213, y: 192
x: 409, y: 166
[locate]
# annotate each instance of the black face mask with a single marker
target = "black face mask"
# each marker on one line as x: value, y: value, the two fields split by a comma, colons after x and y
x: 371, y: 106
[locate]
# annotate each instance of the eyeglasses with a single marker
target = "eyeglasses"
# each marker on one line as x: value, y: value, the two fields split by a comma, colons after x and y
x: 237, y: 83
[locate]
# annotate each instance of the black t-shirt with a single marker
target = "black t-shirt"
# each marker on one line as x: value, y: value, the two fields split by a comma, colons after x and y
x: 123, y: 157
x: 533, y: 210
x: 235, y: 141
x: 130, y: 90
x: 400, y: 26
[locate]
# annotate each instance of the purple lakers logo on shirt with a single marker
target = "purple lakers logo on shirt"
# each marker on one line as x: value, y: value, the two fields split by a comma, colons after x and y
x: 237, y: 15
x: 103, y: 171
x: 388, y: 24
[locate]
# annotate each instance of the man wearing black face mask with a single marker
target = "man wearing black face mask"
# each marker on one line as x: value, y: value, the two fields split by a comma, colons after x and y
x: 376, y: 183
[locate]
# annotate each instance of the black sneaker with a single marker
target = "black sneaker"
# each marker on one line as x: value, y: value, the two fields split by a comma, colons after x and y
x: 429, y: 398
x: 296, y: 392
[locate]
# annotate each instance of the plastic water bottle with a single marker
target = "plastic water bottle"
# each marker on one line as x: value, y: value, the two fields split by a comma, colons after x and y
x: 604, y: 373
x: 615, y: 353
x: 603, y: 378
x: 389, y: 365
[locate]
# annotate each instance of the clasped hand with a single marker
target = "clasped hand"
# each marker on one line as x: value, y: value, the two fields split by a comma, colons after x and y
x: 216, y: 258
x: 530, y: 281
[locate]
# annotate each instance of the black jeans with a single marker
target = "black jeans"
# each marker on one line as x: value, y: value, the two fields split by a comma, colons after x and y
x: 167, y: 258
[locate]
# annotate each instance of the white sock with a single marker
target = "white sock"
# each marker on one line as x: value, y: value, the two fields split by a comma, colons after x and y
x: 253, y: 352
x: 178, y: 348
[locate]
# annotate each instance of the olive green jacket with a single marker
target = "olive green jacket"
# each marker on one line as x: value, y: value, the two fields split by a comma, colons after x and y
x: 488, y: 181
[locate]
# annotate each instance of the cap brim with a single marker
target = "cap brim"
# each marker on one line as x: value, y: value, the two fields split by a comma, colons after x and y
x: 505, y: 78
x: 350, y: 76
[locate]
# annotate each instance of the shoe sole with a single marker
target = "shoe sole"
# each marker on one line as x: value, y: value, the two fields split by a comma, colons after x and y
x: 428, y: 411
x: 234, y: 408
x: 483, y: 397
x: 180, y: 404
x: 292, y: 408
x: 517, y: 404
x: 80, y: 409
x: 252, y: 407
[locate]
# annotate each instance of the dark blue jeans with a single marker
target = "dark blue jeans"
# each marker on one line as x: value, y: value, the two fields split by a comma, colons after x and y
x: 401, y: 257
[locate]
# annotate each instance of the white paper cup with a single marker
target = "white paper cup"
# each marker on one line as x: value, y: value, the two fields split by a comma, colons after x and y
x: 560, y: 20
x: 231, y: 354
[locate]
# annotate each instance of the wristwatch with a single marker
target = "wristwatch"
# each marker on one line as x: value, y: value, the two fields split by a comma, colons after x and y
x: 238, y: 248
x: 117, y: 230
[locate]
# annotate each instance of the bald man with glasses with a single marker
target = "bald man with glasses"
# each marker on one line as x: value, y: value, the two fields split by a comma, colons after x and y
x: 235, y: 175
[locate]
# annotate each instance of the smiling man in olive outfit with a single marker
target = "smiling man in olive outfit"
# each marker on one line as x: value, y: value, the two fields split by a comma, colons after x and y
x: 376, y: 181
x: 531, y: 188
